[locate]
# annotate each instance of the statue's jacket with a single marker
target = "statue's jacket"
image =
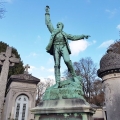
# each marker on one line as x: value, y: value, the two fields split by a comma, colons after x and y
x: 54, y: 32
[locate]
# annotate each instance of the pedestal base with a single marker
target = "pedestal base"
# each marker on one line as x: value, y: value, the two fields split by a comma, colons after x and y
x: 68, y: 89
x: 63, y: 109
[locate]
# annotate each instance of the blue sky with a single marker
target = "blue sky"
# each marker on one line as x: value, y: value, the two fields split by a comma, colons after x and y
x: 23, y: 27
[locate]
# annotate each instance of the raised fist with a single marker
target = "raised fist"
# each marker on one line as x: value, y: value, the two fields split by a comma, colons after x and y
x: 47, y: 9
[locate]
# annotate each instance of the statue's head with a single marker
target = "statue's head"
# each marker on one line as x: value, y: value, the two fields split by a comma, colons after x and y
x: 60, y: 25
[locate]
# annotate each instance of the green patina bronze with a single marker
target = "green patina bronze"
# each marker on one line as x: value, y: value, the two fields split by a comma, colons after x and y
x: 68, y: 89
x: 58, y: 47
x: 64, y: 100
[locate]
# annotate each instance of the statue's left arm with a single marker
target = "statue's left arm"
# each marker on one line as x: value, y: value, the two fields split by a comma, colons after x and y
x: 77, y: 37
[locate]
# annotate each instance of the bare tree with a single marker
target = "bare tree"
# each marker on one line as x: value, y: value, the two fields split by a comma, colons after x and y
x: 97, y: 93
x: 41, y: 87
x: 88, y: 71
x: 2, y: 10
x: 115, y: 46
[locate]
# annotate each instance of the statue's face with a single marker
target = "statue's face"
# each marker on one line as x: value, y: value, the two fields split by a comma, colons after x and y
x: 60, y: 26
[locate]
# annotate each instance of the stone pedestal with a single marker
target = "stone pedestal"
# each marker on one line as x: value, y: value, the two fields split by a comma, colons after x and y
x: 64, y: 103
x: 63, y: 109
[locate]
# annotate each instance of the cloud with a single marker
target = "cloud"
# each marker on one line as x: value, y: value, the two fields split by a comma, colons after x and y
x: 91, y: 43
x: 94, y: 41
x: 63, y: 19
x: 33, y: 54
x: 42, y: 68
x: 38, y: 40
x: 51, y: 70
x: 51, y: 77
x: 38, y: 37
x: 118, y: 27
x: 106, y: 44
x: 31, y: 69
x: 111, y: 12
x: 78, y: 46
x: 50, y: 60
x: 42, y: 79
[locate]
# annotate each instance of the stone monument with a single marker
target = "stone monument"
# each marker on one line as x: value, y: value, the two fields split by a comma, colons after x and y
x: 64, y: 100
x: 6, y: 59
x: 110, y: 73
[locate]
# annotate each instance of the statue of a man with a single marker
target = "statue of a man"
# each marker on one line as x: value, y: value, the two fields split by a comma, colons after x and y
x: 58, y: 46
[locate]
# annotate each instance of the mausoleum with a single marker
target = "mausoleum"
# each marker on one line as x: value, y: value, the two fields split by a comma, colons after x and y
x: 20, y: 97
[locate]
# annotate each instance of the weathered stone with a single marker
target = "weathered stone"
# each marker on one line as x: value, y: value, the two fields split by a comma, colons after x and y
x: 109, y: 63
x: 7, y: 59
x: 110, y: 73
x: 72, y: 109
x: 67, y: 116
x: 111, y: 85
x: 17, y: 85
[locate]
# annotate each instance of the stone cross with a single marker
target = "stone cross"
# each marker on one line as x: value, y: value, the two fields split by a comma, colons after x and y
x: 6, y: 59
x: 26, y: 69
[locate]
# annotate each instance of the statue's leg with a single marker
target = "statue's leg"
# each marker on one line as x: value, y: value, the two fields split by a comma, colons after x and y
x: 57, y: 76
x: 70, y: 67
x: 67, y: 61
x: 57, y: 57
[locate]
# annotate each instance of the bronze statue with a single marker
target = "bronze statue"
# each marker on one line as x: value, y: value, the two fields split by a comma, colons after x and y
x: 58, y: 46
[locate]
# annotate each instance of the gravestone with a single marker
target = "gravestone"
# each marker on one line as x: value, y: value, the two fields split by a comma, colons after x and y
x: 6, y: 59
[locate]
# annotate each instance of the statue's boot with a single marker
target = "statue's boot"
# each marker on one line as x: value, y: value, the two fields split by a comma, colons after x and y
x: 71, y: 70
x: 57, y: 76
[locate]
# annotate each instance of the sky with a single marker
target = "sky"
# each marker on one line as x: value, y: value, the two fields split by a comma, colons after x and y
x: 23, y: 27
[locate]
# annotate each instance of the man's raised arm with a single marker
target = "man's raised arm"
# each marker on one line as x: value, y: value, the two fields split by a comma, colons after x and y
x: 47, y: 19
